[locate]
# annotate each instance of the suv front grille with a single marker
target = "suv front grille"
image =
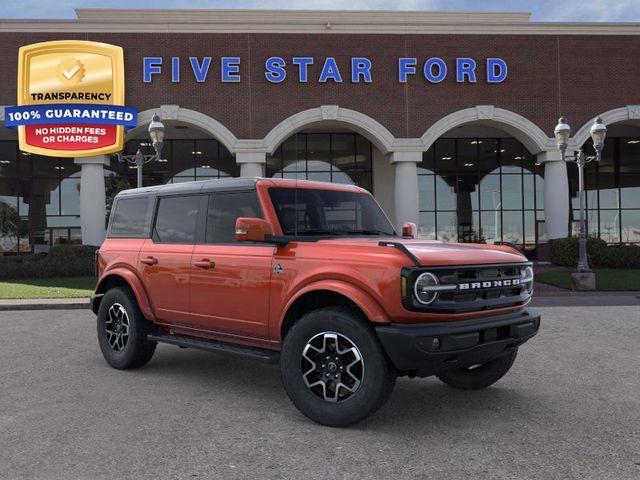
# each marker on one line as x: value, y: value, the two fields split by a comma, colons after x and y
x: 471, y: 288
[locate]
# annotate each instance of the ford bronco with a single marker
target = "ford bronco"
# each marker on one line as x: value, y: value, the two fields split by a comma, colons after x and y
x: 313, y: 277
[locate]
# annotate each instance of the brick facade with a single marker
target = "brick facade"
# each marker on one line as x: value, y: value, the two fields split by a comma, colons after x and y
x: 575, y: 75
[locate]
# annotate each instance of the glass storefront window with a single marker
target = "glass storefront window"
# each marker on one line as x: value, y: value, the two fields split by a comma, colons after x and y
x: 630, y: 224
x: 610, y: 225
x: 42, y: 194
x: 327, y: 157
x: 427, y: 227
x: 480, y: 190
x: 612, y: 191
x: 512, y: 192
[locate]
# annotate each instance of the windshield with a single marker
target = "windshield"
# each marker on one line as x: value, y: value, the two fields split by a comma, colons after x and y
x: 328, y: 212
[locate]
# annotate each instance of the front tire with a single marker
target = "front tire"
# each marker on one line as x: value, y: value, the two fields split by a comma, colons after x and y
x: 122, y: 331
x: 479, y: 376
x: 334, y: 369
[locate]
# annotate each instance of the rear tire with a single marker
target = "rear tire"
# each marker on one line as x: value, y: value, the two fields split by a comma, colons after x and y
x: 334, y: 369
x: 481, y: 376
x: 122, y: 330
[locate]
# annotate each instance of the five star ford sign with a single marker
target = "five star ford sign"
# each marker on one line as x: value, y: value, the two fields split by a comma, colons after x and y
x: 70, y: 99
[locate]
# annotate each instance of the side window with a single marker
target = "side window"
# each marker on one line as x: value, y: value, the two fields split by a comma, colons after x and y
x: 129, y: 217
x: 224, y: 209
x: 176, y: 219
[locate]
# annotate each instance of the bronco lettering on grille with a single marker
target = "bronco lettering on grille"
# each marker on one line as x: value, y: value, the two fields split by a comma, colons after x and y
x: 508, y: 282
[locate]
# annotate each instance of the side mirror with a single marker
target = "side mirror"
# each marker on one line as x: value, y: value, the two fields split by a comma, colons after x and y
x: 252, y: 229
x: 409, y: 230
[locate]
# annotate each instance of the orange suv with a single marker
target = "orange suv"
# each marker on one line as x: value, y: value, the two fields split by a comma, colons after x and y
x: 311, y: 276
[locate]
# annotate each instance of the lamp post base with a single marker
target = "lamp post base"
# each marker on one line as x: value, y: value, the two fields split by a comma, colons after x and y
x: 583, y: 281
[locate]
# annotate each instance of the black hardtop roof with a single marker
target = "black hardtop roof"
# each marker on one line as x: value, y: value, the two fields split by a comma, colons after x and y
x: 212, y: 185
x: 222, y: 185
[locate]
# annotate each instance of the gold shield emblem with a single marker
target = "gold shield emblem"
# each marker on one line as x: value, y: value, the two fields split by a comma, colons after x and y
x: 71, y: 72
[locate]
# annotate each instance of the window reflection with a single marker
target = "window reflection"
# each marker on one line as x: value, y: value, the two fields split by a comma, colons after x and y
x: 40, y: 196
x: 327, y: 157
x: 479, y: 190
x: 612, y: 191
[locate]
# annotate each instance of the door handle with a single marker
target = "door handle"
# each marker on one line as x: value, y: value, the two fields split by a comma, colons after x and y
x: 204, y: 263
x: 149, y: 260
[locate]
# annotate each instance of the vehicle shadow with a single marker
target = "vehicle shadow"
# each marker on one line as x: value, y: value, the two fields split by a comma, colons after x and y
x: 414, y: 405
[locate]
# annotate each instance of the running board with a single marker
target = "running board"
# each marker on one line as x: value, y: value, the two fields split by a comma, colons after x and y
x: 259, y: 354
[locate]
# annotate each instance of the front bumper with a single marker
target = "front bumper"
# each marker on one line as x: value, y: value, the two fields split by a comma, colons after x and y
x: 426, y: 349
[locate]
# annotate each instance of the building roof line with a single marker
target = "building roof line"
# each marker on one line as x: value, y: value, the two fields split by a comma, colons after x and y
x: 96, y: 20
x: 268, y: 15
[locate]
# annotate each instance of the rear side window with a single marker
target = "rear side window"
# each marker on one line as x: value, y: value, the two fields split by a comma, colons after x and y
x: 224, y: 209
x: 176, y: 219
x: 129, y: 217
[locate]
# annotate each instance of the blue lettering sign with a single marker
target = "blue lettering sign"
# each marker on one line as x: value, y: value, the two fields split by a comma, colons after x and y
x: 434, y: 69
x: 360, y: 67
x: 151, y: 66
x: 175, y: 69
x: 303, y: 65
x: 275, y: 69
x: 406, y: 66
x: 200, y: 71
x: 465, y: 67
x: 230, y: 70
x: 330, y: 71
x: 428, y: 70
x: 496, y: 70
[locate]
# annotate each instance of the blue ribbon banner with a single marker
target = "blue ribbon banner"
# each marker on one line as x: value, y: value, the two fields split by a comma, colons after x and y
x: 70, y: 113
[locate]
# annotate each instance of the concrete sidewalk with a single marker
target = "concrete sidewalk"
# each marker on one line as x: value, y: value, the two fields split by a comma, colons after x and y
x: 544, y: 296
x: 44, y: 304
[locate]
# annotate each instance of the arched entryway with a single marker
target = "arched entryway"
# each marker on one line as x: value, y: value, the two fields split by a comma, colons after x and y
x: 333, y: 144
x: 479, y: 184
x: 481, y: 181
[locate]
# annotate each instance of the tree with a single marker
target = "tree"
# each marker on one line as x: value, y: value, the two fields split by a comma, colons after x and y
x: 114, y: 184
x: 9, y: 222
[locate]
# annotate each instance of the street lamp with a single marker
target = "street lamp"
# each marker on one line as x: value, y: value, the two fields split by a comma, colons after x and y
x: 156, y: 133
x: 562, y: 133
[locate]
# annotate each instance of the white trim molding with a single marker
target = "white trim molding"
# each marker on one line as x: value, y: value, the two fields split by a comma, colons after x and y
x: 622, y: 114
x: 199, y: 21
x: 373, y: 130
x: 531, y: 136
x: 192, y: 117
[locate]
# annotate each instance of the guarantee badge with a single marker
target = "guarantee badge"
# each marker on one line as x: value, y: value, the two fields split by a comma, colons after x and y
x: 71, y: 99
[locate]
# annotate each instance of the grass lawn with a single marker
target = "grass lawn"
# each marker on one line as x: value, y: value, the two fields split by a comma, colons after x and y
x: 606, y: 278
x: 69, y: 287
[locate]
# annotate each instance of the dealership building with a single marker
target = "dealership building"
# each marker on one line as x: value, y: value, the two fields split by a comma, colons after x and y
x: 447, y: 118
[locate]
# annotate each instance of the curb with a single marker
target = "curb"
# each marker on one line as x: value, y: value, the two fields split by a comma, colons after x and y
x: 45, y: 304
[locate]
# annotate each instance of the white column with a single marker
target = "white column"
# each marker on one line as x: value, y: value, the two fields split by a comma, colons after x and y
x: 406, y: 187
x: 251, y: 163
x: 556, y: 194
x: 92, y: 199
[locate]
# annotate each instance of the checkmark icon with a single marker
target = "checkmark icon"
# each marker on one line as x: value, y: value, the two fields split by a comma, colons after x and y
x: 71, y: 73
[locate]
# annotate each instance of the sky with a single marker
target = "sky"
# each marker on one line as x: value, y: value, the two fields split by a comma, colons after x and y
x: 542, y: 10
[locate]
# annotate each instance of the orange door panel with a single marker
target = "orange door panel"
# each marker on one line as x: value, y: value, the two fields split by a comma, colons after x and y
x: 230, y: 288
x: 165, y: 273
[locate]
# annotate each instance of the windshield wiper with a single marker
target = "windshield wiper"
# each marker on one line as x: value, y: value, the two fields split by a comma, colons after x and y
x: 339, y: 232
x: 312, y: 232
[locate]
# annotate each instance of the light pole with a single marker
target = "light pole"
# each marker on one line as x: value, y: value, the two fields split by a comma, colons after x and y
x: 156, y: 133
x: 562, y: 133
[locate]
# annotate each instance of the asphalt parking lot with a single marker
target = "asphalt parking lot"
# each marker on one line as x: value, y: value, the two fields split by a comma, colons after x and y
x: 570, y: 408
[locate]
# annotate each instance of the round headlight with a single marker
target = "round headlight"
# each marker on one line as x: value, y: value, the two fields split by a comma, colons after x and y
x: 526, y: 278
x: 422, y: 289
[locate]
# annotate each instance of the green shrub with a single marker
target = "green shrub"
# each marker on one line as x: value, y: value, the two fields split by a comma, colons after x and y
x: 618, y: 256
x: 61, y: 261
x: 564, y: 252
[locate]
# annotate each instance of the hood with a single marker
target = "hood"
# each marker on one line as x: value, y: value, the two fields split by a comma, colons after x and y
x: 434, y: 253
x: 440, y: 253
